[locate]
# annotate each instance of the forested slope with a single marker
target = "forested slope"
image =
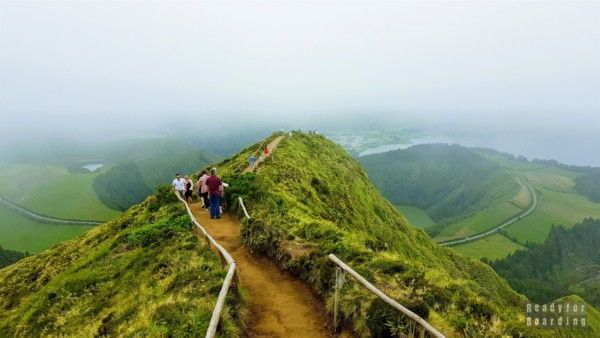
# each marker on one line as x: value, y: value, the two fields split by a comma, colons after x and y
x: 448, y: 181
x: 140, y: 168
x: 568, y: 262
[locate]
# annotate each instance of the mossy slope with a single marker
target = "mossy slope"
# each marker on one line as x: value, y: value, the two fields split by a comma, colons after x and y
x: 143, y: 274
x: 310, y: 198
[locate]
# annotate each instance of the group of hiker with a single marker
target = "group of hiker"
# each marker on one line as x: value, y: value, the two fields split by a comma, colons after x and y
x: 209, y: 188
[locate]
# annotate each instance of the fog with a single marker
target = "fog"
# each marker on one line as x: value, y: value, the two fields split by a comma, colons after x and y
x: 105, y: 69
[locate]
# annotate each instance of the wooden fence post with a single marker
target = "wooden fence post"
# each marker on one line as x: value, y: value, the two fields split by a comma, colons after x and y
x: 339, y: 282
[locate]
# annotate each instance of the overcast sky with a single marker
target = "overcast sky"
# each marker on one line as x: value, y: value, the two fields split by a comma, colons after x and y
x: 84, y: 66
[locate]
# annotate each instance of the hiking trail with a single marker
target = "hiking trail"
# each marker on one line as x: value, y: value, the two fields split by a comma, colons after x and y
x: 271, y: 146
x: 280, y: 305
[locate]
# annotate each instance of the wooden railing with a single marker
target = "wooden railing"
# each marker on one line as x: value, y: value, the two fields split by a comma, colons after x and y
x: 339, y: 280
x: 216, y: 315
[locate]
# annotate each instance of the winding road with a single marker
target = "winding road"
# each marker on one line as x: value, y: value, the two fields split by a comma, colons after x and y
x: 501, y: 226
x: 42, y: 218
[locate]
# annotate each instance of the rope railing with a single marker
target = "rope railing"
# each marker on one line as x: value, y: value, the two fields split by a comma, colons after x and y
x: 340, y: 280
x: 216, y: 315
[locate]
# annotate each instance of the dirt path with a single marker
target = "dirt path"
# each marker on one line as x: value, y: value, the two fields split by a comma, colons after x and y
x: 280, y: 306
x: 271, y: 146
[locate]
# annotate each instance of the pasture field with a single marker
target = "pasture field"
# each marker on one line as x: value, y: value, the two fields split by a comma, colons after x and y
x: 416, y: 216
x: 480, y: 221
x: 20, y: 233
x: 558, y: 203
x: 53, y: 191
x: 555, y: 207
x: 492, y: 247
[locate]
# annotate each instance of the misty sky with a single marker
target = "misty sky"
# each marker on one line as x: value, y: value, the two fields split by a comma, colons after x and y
x: 92, y: 66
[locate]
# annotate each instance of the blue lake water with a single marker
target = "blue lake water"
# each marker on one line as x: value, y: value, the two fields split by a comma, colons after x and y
x: 93, y: 166
x: 577, y: 149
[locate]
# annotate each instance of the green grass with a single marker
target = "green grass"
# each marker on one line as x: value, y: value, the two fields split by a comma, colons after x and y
x: 312, y: 195
x: 592, y: 321
x: 144, y: 274
x: 24, y: 234
x: 53, y: 191
x: 555, y: 207
x: 416, y: 216
x: 558, y: 203
x: 492, y: 247
x: 481, y: 221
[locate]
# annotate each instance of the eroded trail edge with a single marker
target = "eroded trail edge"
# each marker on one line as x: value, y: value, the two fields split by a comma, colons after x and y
x: 280, y: 305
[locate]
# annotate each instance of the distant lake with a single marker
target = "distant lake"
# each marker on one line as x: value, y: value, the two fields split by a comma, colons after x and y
x: 383, y: 148
x: 568, y: 148
x: 93, y: 166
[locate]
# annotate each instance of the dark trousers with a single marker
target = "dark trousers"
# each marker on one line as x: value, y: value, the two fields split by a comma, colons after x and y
x: 215, y: 206
x: 204, y: 196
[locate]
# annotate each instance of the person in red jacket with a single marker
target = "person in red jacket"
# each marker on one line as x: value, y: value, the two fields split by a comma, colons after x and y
x: 214, y: 184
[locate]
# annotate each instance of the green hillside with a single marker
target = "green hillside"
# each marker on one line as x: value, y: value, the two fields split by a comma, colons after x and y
x: 462, y: 191
x: 310, y: 198
x: 588, y: 184
x: 568, y: 262
x: 54, y: 191
x: 129, y: 181
x: 8, y: 257
x: 142, y: 274
x: 559, y: 200
x: 592, y: 321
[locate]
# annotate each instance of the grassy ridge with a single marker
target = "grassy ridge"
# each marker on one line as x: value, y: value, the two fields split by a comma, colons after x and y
x: 310, y: 199
x: 592, y: 319
x: 143, y: 274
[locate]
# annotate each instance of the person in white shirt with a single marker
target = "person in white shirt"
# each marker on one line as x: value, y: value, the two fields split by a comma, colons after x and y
x: 179, y: 185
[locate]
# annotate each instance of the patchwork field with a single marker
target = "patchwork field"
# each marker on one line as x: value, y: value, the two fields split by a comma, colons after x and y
x: 558, y: 204
x: 49, y: 190
x: 492, y: 247
x: 53, y: 191
x: 480, y: 222
x: 416, y: 216
x: 555, y: 207
x: 20, y: 233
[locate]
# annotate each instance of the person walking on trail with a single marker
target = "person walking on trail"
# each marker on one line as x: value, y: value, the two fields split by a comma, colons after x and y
x: 252, y: 161
x: 266, y: 151
x: 189, y: 186
x: 178, y: 185
x: 214, y: 184
x: 203, y: 189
